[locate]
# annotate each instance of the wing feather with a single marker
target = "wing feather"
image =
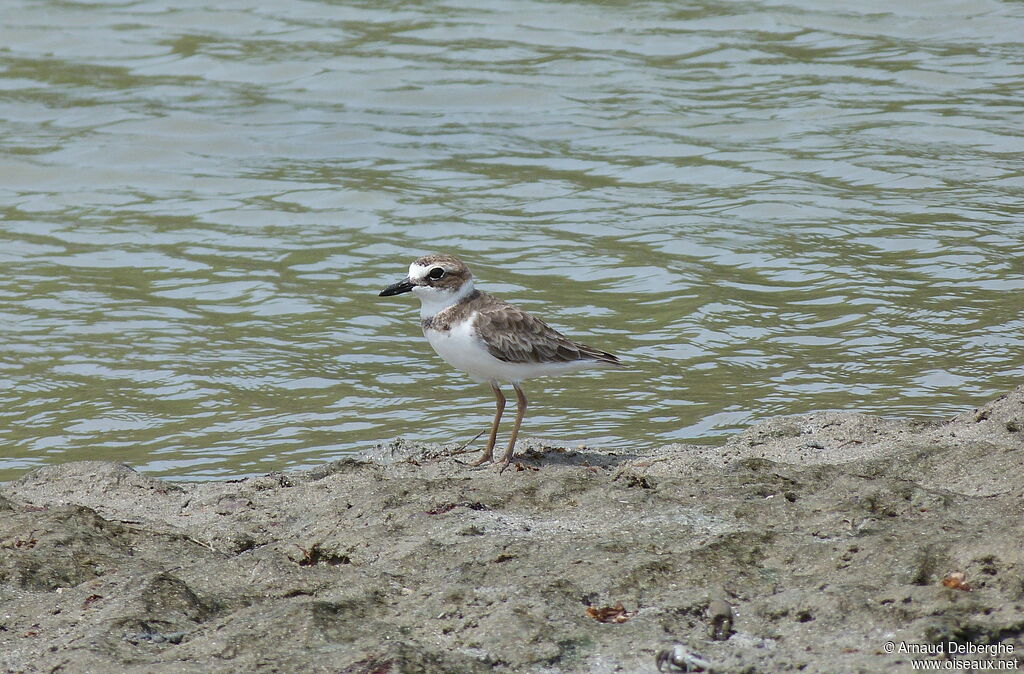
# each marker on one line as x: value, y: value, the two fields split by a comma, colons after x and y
x: 514, y: 336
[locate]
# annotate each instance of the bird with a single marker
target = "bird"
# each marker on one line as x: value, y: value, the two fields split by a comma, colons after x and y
x: 492, y: 341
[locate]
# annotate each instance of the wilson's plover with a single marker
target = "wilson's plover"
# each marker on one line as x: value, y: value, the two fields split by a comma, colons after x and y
x: 487, y: 338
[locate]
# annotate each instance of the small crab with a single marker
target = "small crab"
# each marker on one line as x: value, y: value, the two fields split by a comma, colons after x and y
x: 722, y: 617
x: 681, y: 659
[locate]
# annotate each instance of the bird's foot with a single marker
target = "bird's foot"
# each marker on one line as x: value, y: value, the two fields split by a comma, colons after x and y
x: 506, y: 459
x: 487, y: 457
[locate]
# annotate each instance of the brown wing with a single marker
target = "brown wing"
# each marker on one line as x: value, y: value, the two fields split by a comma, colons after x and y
x: 514, y: 336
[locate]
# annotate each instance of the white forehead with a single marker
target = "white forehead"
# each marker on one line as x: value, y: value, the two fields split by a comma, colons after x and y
x: 418, y: 272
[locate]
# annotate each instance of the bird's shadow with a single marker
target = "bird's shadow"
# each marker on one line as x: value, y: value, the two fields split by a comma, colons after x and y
x: 531, y: 453
x: 539, y: 453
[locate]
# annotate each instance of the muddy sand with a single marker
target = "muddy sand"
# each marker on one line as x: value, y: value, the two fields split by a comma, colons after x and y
x: 803, y: 544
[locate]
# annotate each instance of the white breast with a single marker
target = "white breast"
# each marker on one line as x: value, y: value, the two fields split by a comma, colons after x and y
x: 464, y: 350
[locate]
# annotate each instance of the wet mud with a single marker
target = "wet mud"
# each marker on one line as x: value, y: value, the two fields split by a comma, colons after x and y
x: 803, y: 544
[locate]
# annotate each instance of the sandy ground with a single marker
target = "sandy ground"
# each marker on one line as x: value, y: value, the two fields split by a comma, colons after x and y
x: 803, y: 544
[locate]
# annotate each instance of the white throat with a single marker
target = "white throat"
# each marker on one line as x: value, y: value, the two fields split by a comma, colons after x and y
x: 434, y: 300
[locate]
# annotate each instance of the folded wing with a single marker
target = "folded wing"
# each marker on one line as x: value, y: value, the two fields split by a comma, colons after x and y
x: 514, y: 336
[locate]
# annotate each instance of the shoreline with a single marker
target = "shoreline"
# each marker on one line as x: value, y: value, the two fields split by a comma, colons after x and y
x: 803, y: 543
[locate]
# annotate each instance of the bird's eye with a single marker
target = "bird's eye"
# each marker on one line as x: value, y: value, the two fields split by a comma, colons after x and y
x: 436, y: 273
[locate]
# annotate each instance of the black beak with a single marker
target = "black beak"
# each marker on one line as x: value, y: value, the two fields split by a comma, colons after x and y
x: 403, y: 286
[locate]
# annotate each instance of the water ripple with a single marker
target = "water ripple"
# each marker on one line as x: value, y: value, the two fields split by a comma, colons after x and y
x: 765, y: 209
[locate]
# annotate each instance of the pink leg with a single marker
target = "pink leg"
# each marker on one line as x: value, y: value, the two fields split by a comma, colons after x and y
x: 499, y: 400
x: 520, y: 411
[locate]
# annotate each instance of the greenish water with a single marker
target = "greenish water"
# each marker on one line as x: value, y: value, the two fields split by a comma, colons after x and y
x: 765, y: 208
